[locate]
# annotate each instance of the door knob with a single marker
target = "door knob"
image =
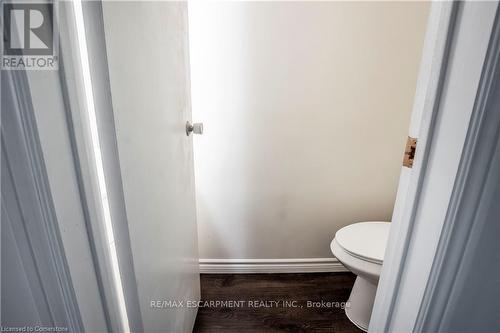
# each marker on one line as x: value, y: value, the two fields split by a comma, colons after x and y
x: 196, y: 128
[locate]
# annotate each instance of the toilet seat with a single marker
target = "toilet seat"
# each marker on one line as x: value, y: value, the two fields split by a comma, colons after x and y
x: 364, y: 240
x: 358, y: 266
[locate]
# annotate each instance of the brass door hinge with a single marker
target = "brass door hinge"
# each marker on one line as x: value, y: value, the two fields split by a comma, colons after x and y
x: 411, y: 145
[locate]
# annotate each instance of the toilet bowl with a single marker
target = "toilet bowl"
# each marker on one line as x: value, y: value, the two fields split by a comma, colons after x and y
x: 360, y: 247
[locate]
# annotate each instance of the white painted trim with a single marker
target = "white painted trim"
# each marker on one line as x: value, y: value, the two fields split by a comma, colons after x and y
x: 79, y: 129
x: 470, y: 206
x: 427, y: 95
x: 421, y: 205
x: 293, y: 265
x: 28, y: 209
x: 98, y: 167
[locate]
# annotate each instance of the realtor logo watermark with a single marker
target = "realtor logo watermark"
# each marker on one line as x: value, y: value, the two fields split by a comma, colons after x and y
x: 30, y: 37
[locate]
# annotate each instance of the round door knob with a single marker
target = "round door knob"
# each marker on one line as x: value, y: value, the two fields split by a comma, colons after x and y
x: 196, y: 128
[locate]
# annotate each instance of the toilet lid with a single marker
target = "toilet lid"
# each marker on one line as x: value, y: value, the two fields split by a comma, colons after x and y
x: 366, y: 240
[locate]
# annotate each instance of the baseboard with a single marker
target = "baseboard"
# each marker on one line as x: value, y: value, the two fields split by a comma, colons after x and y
x: 240, y: 266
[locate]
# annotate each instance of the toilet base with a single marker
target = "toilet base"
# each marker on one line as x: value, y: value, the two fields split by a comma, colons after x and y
x: 361, y: 301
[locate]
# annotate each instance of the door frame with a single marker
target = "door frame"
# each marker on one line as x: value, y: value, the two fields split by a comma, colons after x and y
x: 429, y: 86
x: 473, y: 195
x: 397, y: 280
x: 36, y: 230
x: 120, y: 295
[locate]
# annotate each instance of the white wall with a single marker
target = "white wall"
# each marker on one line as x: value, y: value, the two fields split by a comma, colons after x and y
x: 306, y: 109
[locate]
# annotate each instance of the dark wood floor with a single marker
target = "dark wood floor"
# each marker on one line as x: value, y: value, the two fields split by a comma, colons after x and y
x: 277, y: 317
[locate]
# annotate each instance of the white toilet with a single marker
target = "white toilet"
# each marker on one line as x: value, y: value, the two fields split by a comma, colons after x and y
x: 361, y: 247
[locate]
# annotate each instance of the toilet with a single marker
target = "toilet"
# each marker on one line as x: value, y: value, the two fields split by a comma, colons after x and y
x: 360, y: 247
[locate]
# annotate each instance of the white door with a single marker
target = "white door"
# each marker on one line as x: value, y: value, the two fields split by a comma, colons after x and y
x: 147, y: 50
